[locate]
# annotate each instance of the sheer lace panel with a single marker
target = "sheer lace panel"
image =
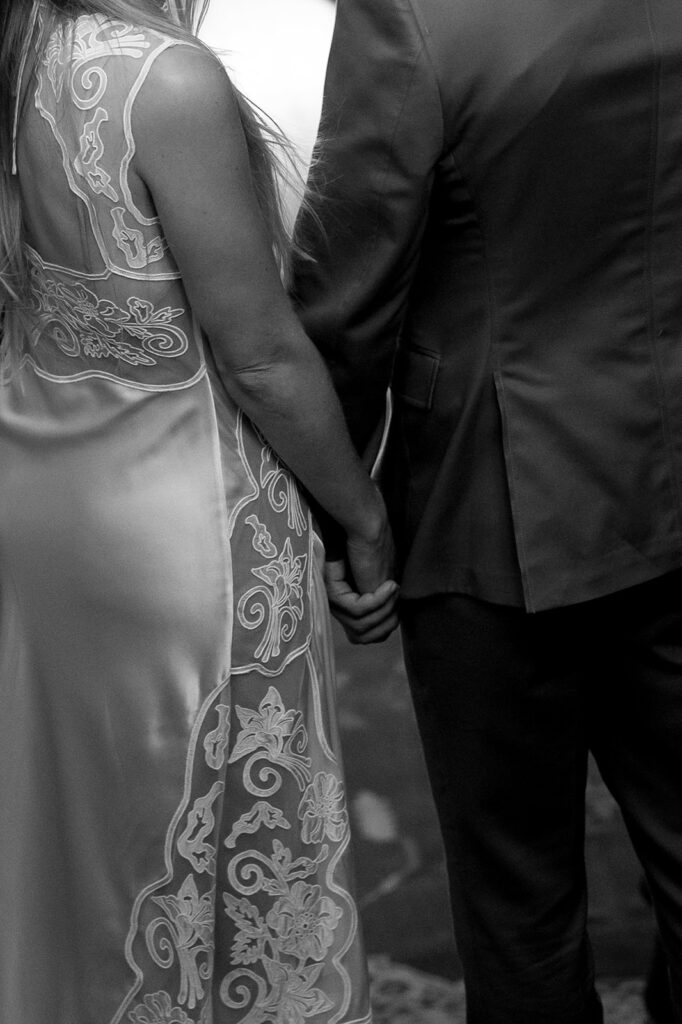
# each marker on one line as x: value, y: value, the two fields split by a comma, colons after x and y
x: 126, y: 316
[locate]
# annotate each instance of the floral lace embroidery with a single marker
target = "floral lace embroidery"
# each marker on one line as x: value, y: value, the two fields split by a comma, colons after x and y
x: 158, y: 1009
x: 322, y: 810
x: 91, y: 72
x: 93, y: 40
x: 258, y: 848
x: 277, y: 952
x: 87, y: 163
x: 66, y: 55
x: 82, y: 323
x: 188, y: 934
x: 278, y: 601
x: 281, y: 490
x: 272, y: 734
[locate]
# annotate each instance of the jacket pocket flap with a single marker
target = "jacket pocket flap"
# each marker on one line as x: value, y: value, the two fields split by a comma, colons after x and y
x: 414, y: 376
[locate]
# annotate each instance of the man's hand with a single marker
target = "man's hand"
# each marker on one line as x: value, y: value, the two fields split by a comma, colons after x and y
x: 367, y: 618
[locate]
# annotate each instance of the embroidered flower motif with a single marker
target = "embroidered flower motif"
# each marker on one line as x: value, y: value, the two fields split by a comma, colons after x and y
x: 293, y: 997
x: 158, y: 1009
x: 322, y: 810
x: 284, y: 575
x: 270, y: 733
x: 189, y: 921
x: 305, y: 921
x: 283, y: 605
x: 265, y: 729
x: 80, y: 322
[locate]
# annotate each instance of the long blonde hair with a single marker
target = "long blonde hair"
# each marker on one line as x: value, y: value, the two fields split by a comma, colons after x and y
x: 25, y: 27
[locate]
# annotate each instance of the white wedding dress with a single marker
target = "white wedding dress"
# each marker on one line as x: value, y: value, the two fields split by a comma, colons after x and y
x: 173, y: 826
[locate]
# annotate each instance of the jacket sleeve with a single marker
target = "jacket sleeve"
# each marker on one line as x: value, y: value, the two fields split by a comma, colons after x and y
x: 381, y: 135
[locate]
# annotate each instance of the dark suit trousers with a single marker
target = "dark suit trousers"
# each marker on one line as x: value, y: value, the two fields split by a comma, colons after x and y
x: 508, y: 706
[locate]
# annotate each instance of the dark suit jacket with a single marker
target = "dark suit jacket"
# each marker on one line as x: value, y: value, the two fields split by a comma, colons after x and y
x: 501, y: 197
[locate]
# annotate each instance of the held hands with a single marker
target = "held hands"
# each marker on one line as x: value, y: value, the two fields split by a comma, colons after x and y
x: 362, y: 596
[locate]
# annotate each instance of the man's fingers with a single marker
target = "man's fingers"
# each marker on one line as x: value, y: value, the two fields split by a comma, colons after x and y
x: 360, y: 625
x: 372, y: 636
x: 364, y: 623
x: 366, y: 618
x: 356, y: 605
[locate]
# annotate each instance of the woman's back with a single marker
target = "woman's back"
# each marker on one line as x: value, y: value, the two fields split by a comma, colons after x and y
x: 97, y: 250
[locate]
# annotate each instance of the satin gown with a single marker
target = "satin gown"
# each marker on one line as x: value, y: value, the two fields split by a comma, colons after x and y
x: 173, y: 824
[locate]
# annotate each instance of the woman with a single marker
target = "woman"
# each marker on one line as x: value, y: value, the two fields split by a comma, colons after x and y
x: 173, y: 831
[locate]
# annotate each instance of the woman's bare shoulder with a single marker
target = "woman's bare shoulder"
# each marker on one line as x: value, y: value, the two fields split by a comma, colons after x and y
x: 187, y: 103
x: 186, y: 77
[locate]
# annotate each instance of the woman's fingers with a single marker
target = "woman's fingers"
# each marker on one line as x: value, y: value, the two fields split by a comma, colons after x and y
x: 366, y: 618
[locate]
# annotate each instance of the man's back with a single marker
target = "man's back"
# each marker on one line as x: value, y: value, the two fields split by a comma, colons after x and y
x: 507, y: 176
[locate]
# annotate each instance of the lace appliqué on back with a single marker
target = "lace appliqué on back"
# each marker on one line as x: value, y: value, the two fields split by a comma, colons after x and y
x: 82, y: 323
x: 92, y: 70
x: 144, y: 333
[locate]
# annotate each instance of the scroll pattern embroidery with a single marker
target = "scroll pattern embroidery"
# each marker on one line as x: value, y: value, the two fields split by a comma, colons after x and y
x: 75, y: 61
x: 103, y: 322
x: 81, y: 323
x: 258, y: 852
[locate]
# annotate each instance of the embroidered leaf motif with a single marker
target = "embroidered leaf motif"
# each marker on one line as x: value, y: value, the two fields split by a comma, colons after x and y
x: 215, y: 742
x: 262, y: 813
x: 262, y: 539
x: 131, y: 241
x: 192, y: 844
x: 286, y: 869
x: 87, y: 163
x: 252, y: 933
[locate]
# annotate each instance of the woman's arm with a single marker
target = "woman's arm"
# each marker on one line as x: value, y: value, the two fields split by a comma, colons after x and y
x: 191, y: 155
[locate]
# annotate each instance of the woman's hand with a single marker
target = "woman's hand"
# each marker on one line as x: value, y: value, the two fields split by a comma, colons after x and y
x: 362, y: 593
x: 367, y: 618
x: 370, y: 553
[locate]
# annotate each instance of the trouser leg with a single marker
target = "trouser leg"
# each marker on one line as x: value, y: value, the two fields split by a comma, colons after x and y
x: 500, y: 702
x: 637, y: 741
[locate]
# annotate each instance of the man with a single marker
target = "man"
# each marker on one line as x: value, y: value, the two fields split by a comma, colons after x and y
x: 501, y: 214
